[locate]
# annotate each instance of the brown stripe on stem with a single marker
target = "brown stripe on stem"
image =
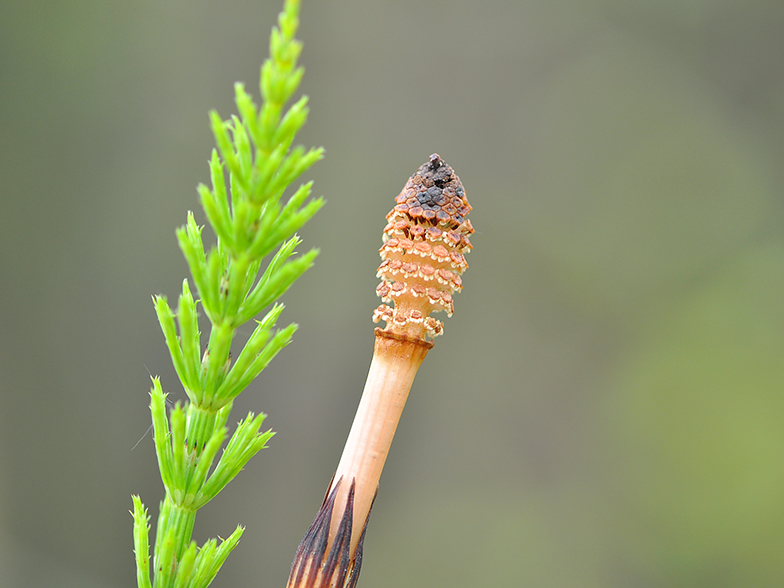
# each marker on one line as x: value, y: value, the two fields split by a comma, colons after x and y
x: 320, y: 563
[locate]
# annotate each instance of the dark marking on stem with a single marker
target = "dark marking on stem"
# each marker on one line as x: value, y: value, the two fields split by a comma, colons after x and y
x: 402, y: 337
x: 313, y: 567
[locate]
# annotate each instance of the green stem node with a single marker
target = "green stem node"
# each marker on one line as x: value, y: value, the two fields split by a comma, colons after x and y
x: 179, y: 519
x: 200, y: 425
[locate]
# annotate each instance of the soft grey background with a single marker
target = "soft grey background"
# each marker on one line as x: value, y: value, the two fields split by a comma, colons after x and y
x: 604, y: 409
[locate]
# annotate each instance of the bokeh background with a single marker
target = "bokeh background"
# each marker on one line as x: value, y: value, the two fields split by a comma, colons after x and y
x: 606, y: 407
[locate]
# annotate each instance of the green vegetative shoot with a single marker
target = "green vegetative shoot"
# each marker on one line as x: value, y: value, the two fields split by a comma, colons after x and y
x: 252, y: 167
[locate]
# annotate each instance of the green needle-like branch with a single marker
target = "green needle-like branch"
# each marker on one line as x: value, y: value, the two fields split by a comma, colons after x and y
x: 234, y: 283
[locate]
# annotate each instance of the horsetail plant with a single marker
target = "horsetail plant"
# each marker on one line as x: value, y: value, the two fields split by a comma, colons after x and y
x: 251, y: 220
x: 423, y: 257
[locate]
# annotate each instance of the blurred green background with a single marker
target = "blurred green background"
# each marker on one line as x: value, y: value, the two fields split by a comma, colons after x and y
x: 606, y: 407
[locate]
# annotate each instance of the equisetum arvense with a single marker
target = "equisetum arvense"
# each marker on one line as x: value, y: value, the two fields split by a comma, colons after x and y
x: 423, y: 258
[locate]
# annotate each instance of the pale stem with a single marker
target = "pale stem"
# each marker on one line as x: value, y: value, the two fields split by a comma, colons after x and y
x: 395, y: 363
